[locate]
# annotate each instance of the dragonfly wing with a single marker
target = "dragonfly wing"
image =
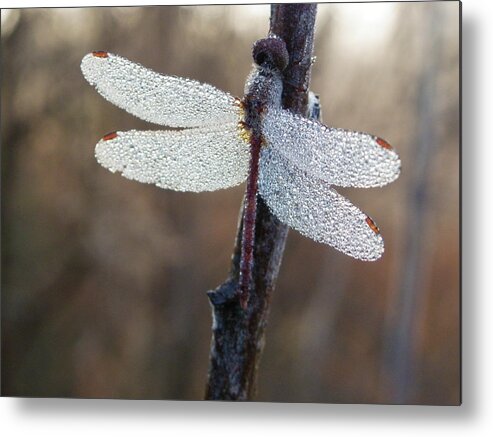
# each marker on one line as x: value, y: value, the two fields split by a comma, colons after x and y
x: 166, y: 100
x: 313, y: 208
x: 338, y: 156
x: 200, y: 159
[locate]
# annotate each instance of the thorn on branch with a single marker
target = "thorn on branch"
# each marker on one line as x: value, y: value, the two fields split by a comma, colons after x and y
x: 225, y: 293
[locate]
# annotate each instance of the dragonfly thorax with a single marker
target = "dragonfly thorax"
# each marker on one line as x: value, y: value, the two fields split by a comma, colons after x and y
x: 263, y: 92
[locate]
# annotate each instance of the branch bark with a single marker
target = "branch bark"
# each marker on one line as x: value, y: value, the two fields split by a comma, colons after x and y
x: 237, y: 334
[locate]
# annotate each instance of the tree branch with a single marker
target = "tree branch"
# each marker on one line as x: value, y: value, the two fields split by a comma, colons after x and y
x: 237, y: 334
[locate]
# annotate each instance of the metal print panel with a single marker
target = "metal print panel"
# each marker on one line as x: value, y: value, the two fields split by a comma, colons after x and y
x: 287, y: 225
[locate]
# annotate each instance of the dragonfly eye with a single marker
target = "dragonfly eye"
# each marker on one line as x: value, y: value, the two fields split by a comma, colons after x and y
x: 271, y: 52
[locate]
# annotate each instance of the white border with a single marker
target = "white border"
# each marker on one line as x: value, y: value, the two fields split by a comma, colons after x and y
x: 475, y: 417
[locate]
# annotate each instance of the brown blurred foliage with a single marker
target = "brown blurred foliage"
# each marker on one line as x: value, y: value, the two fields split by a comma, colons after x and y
x: 104, y: 279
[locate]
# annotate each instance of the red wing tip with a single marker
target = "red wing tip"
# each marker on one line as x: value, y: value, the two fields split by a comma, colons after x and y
x: 384, y: 144
x: 372, y: 225
x: 100, y: 54
x: 110, y: 136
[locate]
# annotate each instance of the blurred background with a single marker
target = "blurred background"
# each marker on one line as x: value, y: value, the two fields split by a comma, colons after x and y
x: 104, y: 279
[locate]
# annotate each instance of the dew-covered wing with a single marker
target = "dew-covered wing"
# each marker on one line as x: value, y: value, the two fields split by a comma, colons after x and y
x: 200, y: 159
x: 338, y: 156
x: 166, y: 100
x: 313, y: 208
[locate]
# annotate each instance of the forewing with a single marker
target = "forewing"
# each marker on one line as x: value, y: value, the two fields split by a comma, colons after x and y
x: 313, y: 208
x: 200, y: 159
x: 338, y: 156
x: 166, y: 100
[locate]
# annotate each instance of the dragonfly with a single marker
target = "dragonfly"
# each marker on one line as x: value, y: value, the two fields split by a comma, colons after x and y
x: 291, y: 161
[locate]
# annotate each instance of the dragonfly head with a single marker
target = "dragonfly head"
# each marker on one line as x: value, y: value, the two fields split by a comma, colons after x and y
x: 271, y: 53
